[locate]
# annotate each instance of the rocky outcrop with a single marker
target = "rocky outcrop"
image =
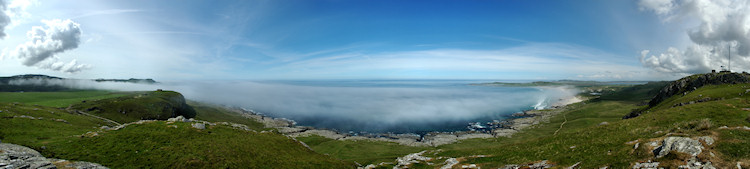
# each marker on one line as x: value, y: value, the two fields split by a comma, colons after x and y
x: 449, y: 163
x: 690, y: 83
x: 646, y: 165
x: 679, y: 144
x: 16, y: 156
x: 538, y: 165
x: 407, y: 160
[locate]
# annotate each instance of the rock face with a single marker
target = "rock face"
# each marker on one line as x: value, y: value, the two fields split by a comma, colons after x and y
x: 691, y: 83
x: 679, y: 144
x: 199, y: 126
x: 16, y: 156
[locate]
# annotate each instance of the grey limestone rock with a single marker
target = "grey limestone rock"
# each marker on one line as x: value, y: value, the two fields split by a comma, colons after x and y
x: 679, y: 144
x: 16, y: 156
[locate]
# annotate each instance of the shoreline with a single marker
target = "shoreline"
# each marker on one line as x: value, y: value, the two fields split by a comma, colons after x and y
x: 498, y: 128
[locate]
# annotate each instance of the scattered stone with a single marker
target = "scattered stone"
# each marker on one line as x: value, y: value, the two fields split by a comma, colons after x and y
x: 61, y: 120
x: 693, y: 163
x: 449, y: 163
x: 371, y: 166
x: 707, y: 139
x: 723, y: 127
x: 199, y: 126
x: 179, y: 119
x: 646, y: 165
x: 636, y: 145
x: 469, y: 166
x: 85, y: 165
x: 405, y: 161
x: 172, y: 126
x: 25, y: 116
x: 679, y: 144
x: 572, y: 147
x: 104, y: 127
x: 653, y: 143
x: 574, y: 165
x: 604, y: 123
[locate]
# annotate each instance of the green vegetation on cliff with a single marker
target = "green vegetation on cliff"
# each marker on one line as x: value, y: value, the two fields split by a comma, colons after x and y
x: 155, y: 105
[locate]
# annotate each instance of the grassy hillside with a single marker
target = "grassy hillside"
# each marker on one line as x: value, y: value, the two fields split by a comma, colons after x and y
x: 178, y: 145
x: 57, y: 99
x: 362, y: 152
x: 62, y: 133
x: 158, y: 105
x: 209, y: 112
x: 605, y: 145
x: 581, y: 138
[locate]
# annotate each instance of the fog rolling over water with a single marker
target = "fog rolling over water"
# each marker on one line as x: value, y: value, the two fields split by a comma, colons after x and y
x: 379, y: 106
x: 374, y: 106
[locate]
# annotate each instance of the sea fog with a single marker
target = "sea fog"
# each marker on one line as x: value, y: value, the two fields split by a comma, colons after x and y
x: 398, y: 106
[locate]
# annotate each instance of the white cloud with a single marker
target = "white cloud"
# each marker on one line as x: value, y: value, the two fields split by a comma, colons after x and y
x: 722, y: 23
x: 659, y: 6
x: 4, y: 18
x: 46, y: 42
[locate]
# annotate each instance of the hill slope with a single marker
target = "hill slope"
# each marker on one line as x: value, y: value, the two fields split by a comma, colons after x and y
x: 66, y: 134
x: 155, y: 105
x: 677, y: 132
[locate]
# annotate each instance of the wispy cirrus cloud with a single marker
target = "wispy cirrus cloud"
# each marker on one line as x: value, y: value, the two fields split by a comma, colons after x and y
x: 107, y: 12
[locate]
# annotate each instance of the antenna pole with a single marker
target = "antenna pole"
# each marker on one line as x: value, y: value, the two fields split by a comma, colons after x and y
x: 730, y: 58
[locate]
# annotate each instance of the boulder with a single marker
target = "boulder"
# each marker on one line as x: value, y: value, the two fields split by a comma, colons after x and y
x: 707, y: 139
x: 449, y: 163
x: 679, y: 144
x: 199, y: 126
x: 646, y: 165
x: 16, y: 156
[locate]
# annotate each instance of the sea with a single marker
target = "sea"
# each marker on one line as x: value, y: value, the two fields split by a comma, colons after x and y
x: 395, y: 106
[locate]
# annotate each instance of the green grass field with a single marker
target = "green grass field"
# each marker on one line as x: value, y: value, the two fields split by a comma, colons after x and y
x: 57, y: 99
x: 211, y: 112
x: 362, y: 152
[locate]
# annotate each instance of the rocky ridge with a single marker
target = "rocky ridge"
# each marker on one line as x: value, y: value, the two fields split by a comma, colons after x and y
x: 690, y: 83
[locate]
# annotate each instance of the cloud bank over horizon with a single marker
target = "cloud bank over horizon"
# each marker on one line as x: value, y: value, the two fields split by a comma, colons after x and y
x: 399, y: 106
x: 4, y: 18
x: 713, y: 26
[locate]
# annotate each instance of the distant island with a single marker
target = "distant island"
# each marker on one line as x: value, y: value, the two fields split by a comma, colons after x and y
x: 45, y: 83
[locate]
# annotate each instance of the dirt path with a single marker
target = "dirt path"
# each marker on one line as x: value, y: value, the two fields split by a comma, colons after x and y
x: 561, y: 125
x: 102, y: 118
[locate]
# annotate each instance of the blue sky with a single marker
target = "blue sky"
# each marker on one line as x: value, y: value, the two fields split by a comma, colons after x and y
x: 295, y: 39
